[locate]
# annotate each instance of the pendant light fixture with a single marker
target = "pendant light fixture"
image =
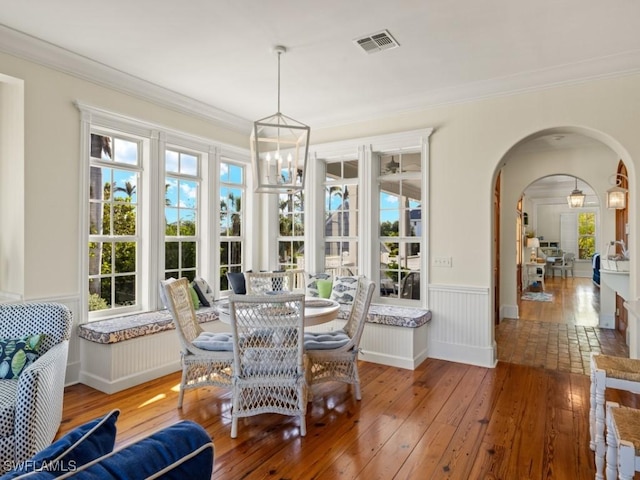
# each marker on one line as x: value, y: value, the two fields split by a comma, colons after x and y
x: 617, y: 195
x: 576, y: 198
x: 279, y: 149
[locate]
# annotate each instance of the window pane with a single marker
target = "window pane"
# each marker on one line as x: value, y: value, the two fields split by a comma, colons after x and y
x: 400, y: 197
x: 236, y: 253
x: 188, y: 164
x: 350, y: 169
x: 125, y: 290
x: 124, y: 219
x: 171, y: 255
x: 124, y: 185
x: 100, y: 147
x: 187, y: 222
x: 230, y: 205
x: 230, y: 173
x: 171, y: 192
x: 171, y: 162
x: 225, y: 224
x: 96, y: 302
x: 105, y: 291
x: 171, y: 219
x: 125, y: 151
x: 188, y: 254
x: 125, y: 257
x: 389, y: 164
x: 224, y: 253
x: 188, y: 194
x: 410, y: 162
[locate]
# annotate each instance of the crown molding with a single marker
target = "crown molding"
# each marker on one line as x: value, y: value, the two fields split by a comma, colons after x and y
x: 43, y: 53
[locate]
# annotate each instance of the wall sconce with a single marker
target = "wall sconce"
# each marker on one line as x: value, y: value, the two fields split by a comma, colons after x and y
x: 616, y: 195
x: 533, y: 243
x: 576, y: 198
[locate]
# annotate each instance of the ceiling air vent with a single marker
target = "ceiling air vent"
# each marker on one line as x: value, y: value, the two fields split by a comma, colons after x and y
x: 377, y: 42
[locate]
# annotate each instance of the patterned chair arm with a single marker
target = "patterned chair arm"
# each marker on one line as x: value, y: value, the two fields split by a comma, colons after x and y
x: 39, y: 401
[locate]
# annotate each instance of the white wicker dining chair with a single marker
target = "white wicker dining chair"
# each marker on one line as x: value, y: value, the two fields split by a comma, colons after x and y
x: 269, y: 371
x: 260, y: 283
x: 333, y: 356
x: 207, y: 358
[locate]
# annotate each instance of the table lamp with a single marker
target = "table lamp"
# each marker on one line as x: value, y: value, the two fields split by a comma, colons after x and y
x: 533, y: 243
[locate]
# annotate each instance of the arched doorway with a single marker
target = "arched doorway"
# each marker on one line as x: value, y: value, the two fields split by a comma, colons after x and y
x: 570, y: 151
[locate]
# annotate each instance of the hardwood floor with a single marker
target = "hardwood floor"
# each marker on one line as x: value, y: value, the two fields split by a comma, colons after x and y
x: 562, y: 333
x: 443, y: 420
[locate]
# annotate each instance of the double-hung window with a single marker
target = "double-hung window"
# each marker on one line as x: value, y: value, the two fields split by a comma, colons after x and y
x: 586, y: 235
x: 291, y: 230
x: 231, y: 215
x: 157, y: 204
x: 374, y: 218
x: 114, y: 220
x: 341, y: 210
x: 400, y: 225
x: 181, y: 200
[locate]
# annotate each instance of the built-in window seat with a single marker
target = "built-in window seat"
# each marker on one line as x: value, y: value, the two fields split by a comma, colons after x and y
x: 394, y: 335
x: 127, y: 327
x: 122, y: 352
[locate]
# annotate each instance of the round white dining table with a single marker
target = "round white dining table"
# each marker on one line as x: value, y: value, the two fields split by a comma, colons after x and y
x: 316, y: 311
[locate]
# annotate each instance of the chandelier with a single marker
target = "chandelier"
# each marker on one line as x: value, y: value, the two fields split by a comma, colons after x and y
x: 576, y: 198
x: 279, y: 149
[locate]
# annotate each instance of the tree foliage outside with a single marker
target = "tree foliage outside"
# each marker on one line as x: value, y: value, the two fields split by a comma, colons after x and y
x: 291, y: 218
x: 116, y: 257
x: 586, y: 235
x: 230, y: 227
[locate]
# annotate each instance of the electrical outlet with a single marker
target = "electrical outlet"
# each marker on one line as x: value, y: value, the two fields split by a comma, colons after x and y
x: 442, y: 262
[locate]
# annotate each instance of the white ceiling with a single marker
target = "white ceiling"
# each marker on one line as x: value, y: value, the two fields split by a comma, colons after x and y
x: 218, y: 53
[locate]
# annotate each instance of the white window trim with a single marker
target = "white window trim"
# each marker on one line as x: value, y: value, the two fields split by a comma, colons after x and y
x: 153, y: 179
x: 364, y: 149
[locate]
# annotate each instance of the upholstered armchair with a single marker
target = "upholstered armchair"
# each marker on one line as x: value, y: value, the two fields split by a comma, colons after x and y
x: 34, y: 342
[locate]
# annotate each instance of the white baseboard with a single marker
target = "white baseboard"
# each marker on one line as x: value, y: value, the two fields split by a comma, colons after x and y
x: 509, y: 311
x: 607, y: 320
x: 480, y: 356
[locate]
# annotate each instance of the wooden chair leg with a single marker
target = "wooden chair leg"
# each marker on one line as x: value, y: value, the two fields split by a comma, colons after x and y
x: 612, y: 445
x: 600, y: 381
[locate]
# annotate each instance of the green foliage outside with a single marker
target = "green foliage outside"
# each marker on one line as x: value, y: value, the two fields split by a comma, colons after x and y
x: 96, y: 302
x: 291, y: 225
x: 586, y: 235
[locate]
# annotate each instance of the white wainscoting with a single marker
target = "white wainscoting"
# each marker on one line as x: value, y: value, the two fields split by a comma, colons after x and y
x: 461, y: 328
x: 116, y: 366
x: 390, y: 345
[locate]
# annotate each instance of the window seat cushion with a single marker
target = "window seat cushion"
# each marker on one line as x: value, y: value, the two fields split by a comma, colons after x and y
x: 118, y: 329
x: 392, y: 315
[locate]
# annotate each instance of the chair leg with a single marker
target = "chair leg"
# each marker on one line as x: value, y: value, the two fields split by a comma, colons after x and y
x: 626, y: 460
x: 356, y: 380
x: 612, y: 445
x: 592, y: 408
x: 183, y: 384
x: 600, y: 380
x: 234, y: 408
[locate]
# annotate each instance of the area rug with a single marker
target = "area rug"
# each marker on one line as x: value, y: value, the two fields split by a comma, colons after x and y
x: 537, y: 296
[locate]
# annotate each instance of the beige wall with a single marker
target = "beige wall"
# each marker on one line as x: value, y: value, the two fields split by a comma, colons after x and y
x: 11, y: 181
x: 51, y: 161
x: 471, y: 143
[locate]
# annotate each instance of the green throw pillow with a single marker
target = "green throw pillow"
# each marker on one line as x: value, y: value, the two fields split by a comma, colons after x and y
x: 16, y: 354
x: 194, y: 297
